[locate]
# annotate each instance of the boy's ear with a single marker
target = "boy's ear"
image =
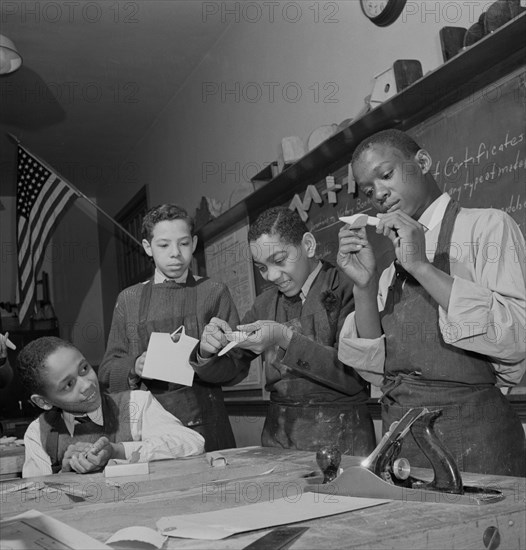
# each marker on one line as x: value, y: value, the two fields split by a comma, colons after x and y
x: 194, y: 243
x: 309, y: 243
x: 147, y: 247
x: 41, y: 402
x: 424, y: 160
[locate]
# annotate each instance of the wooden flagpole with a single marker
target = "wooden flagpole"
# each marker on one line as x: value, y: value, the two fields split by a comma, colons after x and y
x: 77, y: 191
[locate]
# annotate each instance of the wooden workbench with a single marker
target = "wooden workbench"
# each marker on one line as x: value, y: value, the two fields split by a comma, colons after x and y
x: 255, y: 474
x: 11, y: 461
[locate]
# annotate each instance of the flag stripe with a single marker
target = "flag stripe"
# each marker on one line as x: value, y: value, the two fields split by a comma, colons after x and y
x: 43, y: 225
x: 42, y: 198
x: 48, y: 191
x: 40, y: 243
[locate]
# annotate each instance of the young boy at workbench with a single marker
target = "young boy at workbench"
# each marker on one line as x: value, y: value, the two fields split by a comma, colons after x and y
x: 82, y: 428
x: 174, y: 296
x: 315, y: 400
x: 444, y: 325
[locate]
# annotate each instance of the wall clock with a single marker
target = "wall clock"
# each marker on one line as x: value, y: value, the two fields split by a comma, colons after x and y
x: 382, y: 12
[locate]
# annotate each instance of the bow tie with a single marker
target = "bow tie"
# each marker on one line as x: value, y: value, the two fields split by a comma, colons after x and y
x: 82, y: 419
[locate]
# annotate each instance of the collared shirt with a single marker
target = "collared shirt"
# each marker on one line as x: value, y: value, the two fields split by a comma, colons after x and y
x: 486, y: 313
x: 160, y: 277
x: 71, y: 419
x: 308, y: 282
x: 156, y: 435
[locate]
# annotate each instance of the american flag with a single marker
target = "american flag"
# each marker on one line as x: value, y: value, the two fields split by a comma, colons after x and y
x: 41, y: 199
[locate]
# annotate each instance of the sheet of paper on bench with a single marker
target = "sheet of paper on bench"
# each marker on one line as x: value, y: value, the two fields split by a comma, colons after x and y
x: 32, y: 529
x: 168, y: 360
x: 279, y: 511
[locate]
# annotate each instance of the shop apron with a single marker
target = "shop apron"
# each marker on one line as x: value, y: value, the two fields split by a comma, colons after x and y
x: 201, y: 406
x: 292, y: 424
x: 477, y: 424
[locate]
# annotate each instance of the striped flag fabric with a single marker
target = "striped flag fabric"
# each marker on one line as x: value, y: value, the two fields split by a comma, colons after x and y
x: 42, y: 197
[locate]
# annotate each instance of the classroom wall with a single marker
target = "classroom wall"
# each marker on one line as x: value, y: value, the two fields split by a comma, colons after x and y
x: 265, y: 80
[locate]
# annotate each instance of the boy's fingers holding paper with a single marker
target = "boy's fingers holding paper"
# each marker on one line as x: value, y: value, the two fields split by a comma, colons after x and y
x: 213, y: 338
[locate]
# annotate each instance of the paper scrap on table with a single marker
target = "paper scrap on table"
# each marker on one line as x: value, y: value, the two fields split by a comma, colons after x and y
x: 359, y: 220
x: 226, y: 522
x: 117, y: 467
x: 217, y: 460
x: 168, y: 360
x: 33, y: 529
x: 140, y: 534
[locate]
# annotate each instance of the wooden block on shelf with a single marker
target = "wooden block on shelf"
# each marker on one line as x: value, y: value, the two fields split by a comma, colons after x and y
x: 451, y: 41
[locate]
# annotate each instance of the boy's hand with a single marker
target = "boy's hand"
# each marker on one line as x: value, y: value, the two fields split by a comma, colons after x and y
x: 139, y: 364
x: 355, y: 256
x: 71, y: 451
x: 213, y: 338
x: 264, y: 334
x: 84, y: 457
x: 408, y: 238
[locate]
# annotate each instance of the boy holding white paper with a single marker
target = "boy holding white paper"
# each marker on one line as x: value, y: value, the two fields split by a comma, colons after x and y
x: 443, y: 327
x: 83, y: 428
x: 174, y: 297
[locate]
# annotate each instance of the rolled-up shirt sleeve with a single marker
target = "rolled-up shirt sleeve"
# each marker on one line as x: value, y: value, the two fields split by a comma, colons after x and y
x: 365, y: 356
x: 157, y: 434
x: 487, y: 307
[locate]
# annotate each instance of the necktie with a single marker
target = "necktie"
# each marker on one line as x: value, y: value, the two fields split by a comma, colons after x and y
x: 82, y: 419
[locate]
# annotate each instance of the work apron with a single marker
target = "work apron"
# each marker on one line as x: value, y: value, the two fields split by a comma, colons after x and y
x: 294, y: 426
x: 201, y: 406
x: 294, y: 423
x: 477, y: 424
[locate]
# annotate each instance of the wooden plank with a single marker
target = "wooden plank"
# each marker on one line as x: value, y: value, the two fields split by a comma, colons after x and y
x: 397, y: 524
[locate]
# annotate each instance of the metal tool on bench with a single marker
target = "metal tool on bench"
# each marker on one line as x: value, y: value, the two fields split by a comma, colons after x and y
x: 386, y: 474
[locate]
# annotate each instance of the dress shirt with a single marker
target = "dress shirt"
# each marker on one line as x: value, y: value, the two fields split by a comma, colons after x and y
x: 156, y: 435
x: 487, y: 306
x: 71, y: 420
x: 159, y: 277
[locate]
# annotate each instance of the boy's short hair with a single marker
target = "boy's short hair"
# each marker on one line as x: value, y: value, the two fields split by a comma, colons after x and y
x: 395, y: 138
x: 31, y: 361
x: 280, y: 221
x: 161, y: 213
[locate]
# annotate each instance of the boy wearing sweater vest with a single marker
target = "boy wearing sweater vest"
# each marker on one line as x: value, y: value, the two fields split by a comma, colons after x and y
x: 83, y: 428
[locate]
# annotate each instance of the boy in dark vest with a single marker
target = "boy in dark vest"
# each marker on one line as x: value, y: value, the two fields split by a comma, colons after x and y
x: 82, y: 428
x: 444, y: 325
x: 315, y: 400
x: 172, y: 297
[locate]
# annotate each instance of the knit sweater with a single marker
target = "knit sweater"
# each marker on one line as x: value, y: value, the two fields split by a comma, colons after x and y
x: 124, y: 346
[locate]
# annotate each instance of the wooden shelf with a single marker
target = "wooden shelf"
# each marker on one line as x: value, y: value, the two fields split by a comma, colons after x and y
x: 486, y: 61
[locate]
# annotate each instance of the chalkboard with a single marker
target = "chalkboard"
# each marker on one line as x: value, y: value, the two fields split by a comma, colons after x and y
x: 478, y: 148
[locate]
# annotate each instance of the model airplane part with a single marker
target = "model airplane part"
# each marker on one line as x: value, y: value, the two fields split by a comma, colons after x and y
x: 384, y: 474
x: 359, y: 220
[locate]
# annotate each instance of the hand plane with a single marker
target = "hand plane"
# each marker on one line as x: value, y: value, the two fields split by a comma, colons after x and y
x: 385, y: 474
